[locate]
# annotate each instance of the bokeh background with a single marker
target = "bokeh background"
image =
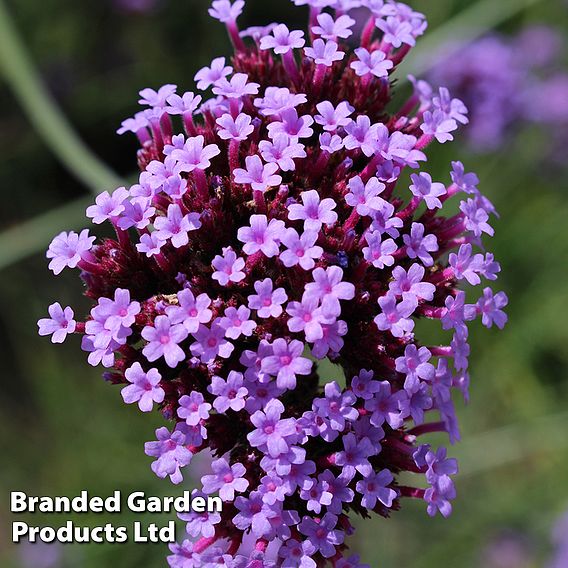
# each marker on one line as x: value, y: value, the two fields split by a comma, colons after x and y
x: 62, y: 429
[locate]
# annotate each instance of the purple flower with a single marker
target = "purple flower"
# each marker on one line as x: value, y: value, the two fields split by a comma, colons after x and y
x: 419, y: 400
x: 194, y: 155
x: 184, y: 104
x: 200, y: 524
x: 208, y: 76
x: 438, y: 496
x: 465, y: 265
x: 489, y: 305
x: 278, y: 99
x: 423, y: 188
x: 476, y: 218
x: 324, y: 52
x: 190, y: 311
x: 439, y: 465
x: 361, y: 134
x: 396, y: 32
x: 257, y: 32
x: 227, y: 479
x: 107, y: 206
x: 465, y: 182
x: 286, y: 362
x: 452, y: 108
x: 137, y: 125
x: 363, y: 385
x: 332, y: 118
x: 253, y: 514
x: 272, y: 432
x: 314, y: 211
x: 460, y: 349
x: 457, y: 312
x: 163, y: 339
x: 237, y: 88
x: 331, y: 340
x: 230, y: 393
x: 337, y: 407
x: 340, y: 492
x: 329, y: 28
x: 260, y: 176
x: 374, y: 63
x: 283, y: 40
x: 210, y: 343
x: 328, y: 286
x: 296, y: 554
x: 395, y: 317
x: 385, y: 221
x: 364, y: 197
x: 260, y: 394
x: 379, y: 253
x: 176, y: 226
x: 59, y: 323
x: 409, y: 284
x: 68, y: 249
x: 228, y: 267
x: 267, y: 302
x: 330, y: 143
x: 419, y: 246
x: 292, y: 125
x: 308, y: 317
x: 374, y: 488
x: 262, y: 236
x: 224, y: 11
x: 193, y: 409
x: 170, y: 452
x: 273, y: 488
x: 239, y: 128
x: 438, y: 125
x: 323, y: 535
x: 156, y: 99
x: 354, y: 457
x: 236, y: 322
x: 301, y: 250
x: 150, y: 244
x: 316, y: 495
x: 117, y: 313
x: 282, y: 151
x: 414, y: 364
x: 386, y: 406
x: 183, y: 555
x: 137, y: 213
x: 145, y: 389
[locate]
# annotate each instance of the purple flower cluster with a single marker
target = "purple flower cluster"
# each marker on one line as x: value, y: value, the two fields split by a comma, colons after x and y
x: 505, y: 82
x: 277, y: 231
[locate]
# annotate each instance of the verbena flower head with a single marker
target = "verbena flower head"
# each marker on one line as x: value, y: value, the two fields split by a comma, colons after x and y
x: 274, y: 232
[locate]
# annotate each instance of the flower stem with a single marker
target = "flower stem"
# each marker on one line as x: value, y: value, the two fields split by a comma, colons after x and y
x: 44, y: 114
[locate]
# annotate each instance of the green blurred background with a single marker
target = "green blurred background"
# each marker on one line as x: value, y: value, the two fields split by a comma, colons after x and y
x: 62, y: 429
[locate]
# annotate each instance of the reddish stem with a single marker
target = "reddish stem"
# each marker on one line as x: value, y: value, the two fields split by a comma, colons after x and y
x: 428, y: 428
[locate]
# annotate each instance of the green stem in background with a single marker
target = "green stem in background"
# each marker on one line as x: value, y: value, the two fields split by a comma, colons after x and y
x: 467, y: 26
x: 43, y: 113
x: 29, y: 237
